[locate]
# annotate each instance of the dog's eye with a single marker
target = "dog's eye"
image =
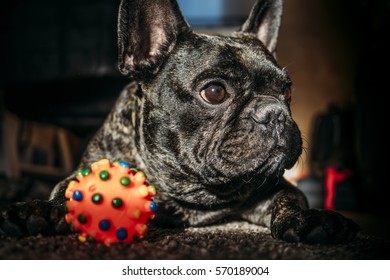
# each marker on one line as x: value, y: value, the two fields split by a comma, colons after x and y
x: 213, y: 93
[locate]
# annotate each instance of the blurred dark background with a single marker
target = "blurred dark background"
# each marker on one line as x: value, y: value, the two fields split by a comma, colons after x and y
x: 59, y: 79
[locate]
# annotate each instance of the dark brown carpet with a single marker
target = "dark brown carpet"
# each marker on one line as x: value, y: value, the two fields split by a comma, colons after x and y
x: 238, y: 240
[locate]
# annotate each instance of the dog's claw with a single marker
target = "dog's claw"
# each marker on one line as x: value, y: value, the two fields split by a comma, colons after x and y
x: 291, y: 236
x: 316, y: 235
x: 36, y: 225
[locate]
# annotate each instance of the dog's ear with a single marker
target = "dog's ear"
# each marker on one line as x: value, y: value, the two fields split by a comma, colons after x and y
x: 147, y: 32
x: 264, y: 21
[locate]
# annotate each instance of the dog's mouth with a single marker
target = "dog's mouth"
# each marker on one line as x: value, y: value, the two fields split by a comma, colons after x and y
x: 254, y: 152
x: 241, y: 184
x: 238, y: 173
x: 257, y: 151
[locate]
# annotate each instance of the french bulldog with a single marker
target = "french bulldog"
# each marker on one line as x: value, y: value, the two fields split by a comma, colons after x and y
x: 207, y: 118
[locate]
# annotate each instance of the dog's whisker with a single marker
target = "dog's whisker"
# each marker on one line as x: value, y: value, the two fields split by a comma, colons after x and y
x: 262, y: 184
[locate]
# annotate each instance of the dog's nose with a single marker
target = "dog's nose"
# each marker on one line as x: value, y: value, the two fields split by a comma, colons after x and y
x: 270, y: 115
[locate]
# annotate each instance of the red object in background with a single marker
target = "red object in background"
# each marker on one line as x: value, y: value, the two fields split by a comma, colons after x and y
x: 332, y: 178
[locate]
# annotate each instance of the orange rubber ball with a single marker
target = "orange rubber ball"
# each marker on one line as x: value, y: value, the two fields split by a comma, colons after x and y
x: 110, y: 203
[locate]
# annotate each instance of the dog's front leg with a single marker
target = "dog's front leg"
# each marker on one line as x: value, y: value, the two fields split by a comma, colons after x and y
x: 287, y: 214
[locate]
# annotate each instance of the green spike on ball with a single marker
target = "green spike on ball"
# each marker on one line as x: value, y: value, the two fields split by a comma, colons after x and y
x: 104, y: 175
x: 125, y: 181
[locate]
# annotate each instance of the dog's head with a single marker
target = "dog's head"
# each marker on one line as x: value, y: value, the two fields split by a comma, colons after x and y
x: 215, y: 109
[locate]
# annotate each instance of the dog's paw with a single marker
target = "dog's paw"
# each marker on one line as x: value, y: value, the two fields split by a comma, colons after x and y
x: 314, y: 227
x: 33, y: 218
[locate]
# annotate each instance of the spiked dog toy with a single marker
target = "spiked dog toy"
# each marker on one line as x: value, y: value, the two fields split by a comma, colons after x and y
x: 110, y: 203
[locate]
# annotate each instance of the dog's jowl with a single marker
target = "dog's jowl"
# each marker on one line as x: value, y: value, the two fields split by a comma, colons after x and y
x: 208, y: 119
